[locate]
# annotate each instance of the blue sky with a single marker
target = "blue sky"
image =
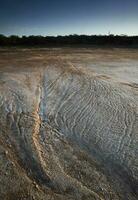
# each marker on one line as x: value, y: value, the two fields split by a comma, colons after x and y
x: 62, y: 17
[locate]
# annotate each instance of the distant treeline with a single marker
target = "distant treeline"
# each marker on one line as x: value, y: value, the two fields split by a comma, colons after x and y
x: 98, y: 40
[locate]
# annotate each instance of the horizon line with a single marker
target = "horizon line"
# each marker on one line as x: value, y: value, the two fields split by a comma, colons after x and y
x: 72, y: 34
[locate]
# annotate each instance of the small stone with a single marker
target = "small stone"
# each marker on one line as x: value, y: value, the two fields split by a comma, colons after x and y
x: 6, y: 152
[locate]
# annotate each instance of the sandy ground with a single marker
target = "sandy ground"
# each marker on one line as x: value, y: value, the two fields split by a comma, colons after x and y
x: 68, y: 124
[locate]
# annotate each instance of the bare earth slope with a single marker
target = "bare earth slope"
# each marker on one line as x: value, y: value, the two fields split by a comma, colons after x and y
x: 68, y: 124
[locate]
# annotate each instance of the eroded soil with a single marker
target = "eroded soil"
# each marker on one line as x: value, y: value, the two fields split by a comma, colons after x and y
x: 68, y: 124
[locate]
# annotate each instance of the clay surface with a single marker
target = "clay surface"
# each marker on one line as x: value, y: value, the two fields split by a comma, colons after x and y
x: 68, y: 124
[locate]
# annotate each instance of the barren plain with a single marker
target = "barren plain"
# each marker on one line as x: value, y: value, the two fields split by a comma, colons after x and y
x: 68, y: 124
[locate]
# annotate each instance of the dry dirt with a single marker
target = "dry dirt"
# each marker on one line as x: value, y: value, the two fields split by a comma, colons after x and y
x: 68, y: 124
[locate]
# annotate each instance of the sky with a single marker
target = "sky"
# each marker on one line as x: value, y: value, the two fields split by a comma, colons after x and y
x: 64, y: 17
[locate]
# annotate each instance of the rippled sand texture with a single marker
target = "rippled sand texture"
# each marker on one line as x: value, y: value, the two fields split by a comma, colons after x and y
x: 68, y: 124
